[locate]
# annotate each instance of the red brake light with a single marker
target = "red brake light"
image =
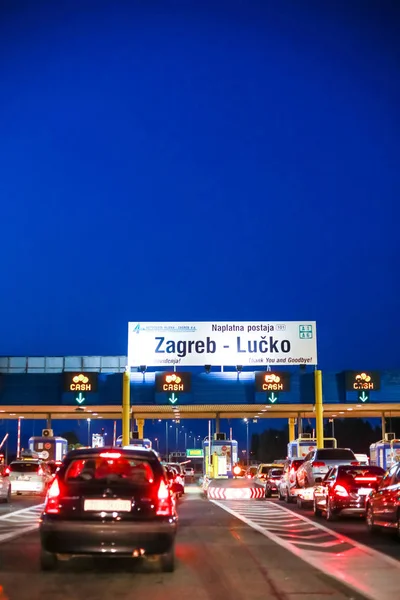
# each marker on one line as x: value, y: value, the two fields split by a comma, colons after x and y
x: 164, y: 507
x: 318, y: 463
x: 7, y: 470
x: 110, y: 455
x: 340, y: 491
x: 53, y: 498
x: 355, y: 463
x: 365, y: 479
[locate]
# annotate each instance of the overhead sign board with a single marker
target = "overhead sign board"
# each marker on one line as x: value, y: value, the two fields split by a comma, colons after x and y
x: 362, y: 380
x: 80, y: 382
x: 234, y: 343
x: 272, y: 381
x: 173, y: 382
x: 194, y: 453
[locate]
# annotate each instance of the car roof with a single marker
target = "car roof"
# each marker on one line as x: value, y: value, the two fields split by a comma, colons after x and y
x: 87, y: 452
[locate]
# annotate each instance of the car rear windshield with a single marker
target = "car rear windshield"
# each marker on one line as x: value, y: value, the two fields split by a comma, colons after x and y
x: 24, y: 467
x: 335, y: 454
x: 265, y: 470
x: 276, y: 472
x: 352, y: 474
x: 123, y: 469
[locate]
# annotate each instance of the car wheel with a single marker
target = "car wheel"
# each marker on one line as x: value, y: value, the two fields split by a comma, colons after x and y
x: 398, y: 526
x: 317, y: 511
x: 8, y: 498
x: 370, y: 520
x: 268, y: 492
x: 330, y: 513
x: 167, y: 561
x: 288, y: 497
x: 48, y: 561
x: 299, y: 502
x: 280, y: 495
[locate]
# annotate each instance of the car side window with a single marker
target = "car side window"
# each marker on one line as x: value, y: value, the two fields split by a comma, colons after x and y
x: 388, y: 479
x: 396, y: 476
x: 331, y: 475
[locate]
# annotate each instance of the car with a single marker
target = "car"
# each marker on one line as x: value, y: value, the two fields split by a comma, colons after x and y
x: 271, y: 483
x: 29, y: 477
x: 318, y: 462
x: 5, y: 484
x: 180, y: 474
x: 287, y: 485
x: 260, y: 478
x: 251, y: 471
x: 189, y: 473
x: 383, y: 505
x: 109, y: 502
x: 345, y: 490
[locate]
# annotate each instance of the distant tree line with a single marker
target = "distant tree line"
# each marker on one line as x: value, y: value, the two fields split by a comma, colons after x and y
x: 356, y: 434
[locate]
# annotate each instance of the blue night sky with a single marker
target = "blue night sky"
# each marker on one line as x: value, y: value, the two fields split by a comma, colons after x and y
x: 182, y: 160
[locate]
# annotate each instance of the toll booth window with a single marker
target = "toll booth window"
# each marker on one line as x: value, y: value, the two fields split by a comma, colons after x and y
x: 118, y: 470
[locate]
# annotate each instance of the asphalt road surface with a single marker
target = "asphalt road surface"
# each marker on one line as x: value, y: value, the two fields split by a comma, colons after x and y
x: 218, y: 557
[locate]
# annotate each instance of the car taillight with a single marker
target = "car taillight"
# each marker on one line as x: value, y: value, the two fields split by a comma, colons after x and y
x: 52, y: 506
x: 318, y: 463
x: 110, y: 454
x: 164, y: 507
x: 365, y: 479
x: 355, y: 463
x: 40, y: 471
x: 7, y: 471
x: 341, y: 491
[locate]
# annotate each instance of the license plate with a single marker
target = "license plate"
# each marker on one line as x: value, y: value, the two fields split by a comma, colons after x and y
x: 364, y: 491
x: 108, y: 505
x: 22, y: 478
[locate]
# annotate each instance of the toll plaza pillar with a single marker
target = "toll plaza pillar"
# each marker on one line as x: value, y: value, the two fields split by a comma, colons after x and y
x: 319, y: 414
x: 126, y: 407
x: 217, y: 423
x: 299, y: 425
x: 292, y: 434
x: 48, y: 421
x: 383, y: 424
x: 140, y: 428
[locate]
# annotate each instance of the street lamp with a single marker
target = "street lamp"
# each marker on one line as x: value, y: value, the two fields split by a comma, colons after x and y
x: 158, y: 444
x: 247, y: 440
x: 88, y: 431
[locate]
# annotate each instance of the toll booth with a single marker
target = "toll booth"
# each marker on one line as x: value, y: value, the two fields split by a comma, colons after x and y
x: 49, y: 448
x: 135, y: 443
x: 224, y: 456
x: 305, y: 443
x: 386, y: 452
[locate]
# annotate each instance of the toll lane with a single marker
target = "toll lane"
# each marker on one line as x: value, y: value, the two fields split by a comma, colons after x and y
x: 218, y: 556
x: 355, y: 529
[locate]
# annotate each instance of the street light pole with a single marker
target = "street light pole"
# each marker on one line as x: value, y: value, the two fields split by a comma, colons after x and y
x: 88, y: 431
x: 166, y: 440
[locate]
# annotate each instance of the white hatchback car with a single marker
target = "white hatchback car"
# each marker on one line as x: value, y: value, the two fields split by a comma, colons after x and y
x: 29, y: 477
x: 318, y: 462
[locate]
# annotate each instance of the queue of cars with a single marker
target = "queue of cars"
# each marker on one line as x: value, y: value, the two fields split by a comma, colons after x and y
x: 335, y: 482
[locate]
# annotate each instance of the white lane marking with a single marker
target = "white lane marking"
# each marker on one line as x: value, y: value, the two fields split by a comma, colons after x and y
x: 374, y: 574
x: 22, y: 511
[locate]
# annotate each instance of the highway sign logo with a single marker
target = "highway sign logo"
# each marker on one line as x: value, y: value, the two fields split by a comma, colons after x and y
x: 305, y: 332
x: 173, y: 382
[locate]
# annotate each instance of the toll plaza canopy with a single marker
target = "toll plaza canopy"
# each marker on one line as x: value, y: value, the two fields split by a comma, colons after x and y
x: 66, y: 387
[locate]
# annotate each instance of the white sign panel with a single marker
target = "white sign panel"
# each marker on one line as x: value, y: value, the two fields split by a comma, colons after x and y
x: 223, y: 344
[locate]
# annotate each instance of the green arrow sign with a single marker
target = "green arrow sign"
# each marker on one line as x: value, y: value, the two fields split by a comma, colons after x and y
x: 364, y: 396
x: 173, y: 398
x: 273, y: 398
x: 80, y: 398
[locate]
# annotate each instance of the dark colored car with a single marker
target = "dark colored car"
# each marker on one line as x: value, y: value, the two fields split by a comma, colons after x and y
x: 345, y: 490
x: 271, y: 484
x: 383, y: 505
x: 109, y: 502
